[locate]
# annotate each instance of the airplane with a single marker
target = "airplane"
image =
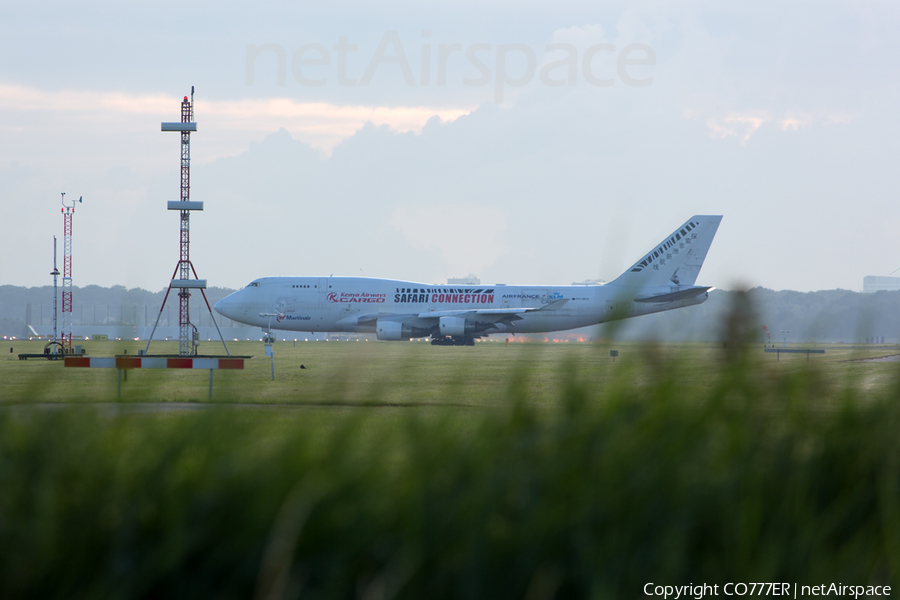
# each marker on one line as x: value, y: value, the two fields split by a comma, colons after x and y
x: 662, y: 279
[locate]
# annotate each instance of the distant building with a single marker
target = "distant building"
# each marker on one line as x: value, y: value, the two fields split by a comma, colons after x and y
x: 876, y: 283
x: 467, y: 280
x: 589, y: 282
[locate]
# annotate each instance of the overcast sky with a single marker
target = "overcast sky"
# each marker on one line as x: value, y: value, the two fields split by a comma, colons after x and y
x: 524, y: 142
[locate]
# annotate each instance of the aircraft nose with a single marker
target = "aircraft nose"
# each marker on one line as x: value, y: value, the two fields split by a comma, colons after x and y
x: 225, y: 307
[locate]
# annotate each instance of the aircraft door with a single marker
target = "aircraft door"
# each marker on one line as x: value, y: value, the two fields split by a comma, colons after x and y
x: 322, y: 288
x: 534, y: 298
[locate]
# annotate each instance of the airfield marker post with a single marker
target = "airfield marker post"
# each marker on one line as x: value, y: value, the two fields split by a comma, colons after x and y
x: 779, y: 351
x: 270, y: 351
x: 123, y: 363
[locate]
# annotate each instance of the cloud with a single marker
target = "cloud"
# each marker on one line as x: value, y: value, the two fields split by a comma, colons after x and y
x: 743, y: 125
x: 795, y: 123
x: 320, y: 124
x: 17, y: 98
x: 469, y: 237
x: 582, y: 37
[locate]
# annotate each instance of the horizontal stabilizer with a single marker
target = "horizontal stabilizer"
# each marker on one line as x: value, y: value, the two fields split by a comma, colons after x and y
x: 673, y: 296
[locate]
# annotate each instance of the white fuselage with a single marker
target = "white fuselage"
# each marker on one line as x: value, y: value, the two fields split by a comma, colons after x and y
x: 355, y: 304
x: 662, y: 279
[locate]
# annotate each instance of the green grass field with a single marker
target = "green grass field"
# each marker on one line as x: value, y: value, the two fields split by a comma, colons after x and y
x: 408, y: 374
x: 411, y: 471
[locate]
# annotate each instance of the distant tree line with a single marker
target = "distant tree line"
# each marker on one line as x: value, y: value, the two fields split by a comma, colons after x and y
x: 827, y: 316
x: 96, y: 305
x: 818, y: 317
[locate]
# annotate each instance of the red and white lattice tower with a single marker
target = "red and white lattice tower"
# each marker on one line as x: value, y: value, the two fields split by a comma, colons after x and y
x: 181, y: 279
x: 66, y: 333
x: 184, y: 262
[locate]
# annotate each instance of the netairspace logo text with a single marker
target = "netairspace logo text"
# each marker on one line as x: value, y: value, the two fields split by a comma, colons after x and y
x: 507, y: 65
x: 791, y: 590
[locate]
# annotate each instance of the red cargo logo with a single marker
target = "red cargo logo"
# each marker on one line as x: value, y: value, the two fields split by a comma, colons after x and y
x: 356, y: 297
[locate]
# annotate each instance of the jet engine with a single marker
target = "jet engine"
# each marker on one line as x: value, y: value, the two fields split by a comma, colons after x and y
x: 396, y: 330
x: 461, y: 326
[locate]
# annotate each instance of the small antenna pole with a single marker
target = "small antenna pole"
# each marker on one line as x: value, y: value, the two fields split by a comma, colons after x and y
x: 55, y: 274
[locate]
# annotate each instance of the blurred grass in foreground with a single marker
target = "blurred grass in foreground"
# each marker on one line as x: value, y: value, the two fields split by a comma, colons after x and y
x: 745, y: 476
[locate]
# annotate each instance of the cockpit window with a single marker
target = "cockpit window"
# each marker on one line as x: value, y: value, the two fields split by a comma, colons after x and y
x: 254, y: 284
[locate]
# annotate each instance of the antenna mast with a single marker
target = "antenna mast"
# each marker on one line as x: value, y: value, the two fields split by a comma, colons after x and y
x: 188, y: 338
x: 55, y: 274
x: 68, y: 212
x: 184, y: 262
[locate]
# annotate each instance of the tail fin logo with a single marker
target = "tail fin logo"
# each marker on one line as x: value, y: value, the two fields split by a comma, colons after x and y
x: 673, y: 246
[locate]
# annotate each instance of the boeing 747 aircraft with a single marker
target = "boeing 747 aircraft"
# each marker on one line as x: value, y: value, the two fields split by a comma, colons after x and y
x: 662, y: 279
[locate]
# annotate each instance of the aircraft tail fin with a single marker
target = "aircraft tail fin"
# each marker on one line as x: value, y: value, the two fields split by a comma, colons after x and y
x: 677, y: 259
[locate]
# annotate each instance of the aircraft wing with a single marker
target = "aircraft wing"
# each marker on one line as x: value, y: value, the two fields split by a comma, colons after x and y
x: 372, y: 317
x: 496, y: 313
x: 673, y: 296
x: 490, y: 314
x: 489, y: 311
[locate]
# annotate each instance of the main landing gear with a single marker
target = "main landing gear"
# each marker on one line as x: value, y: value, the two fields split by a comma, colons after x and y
x: 453, y: 341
